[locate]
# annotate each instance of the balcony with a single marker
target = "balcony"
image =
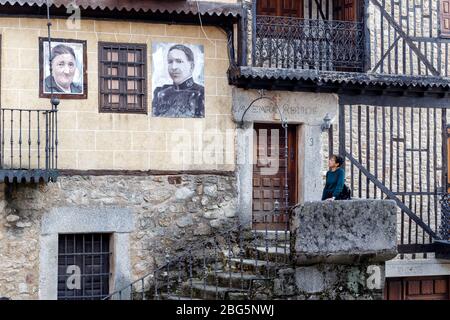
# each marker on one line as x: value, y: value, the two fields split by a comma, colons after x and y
x: 28, y: 145
x: 349, y: 58
x: 293, y: 43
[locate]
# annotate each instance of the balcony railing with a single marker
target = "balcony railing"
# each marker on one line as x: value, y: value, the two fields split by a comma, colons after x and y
x: 28, y: 144
x: 284, y: 42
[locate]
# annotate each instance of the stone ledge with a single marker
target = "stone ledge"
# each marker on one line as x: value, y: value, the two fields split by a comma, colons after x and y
x: 344, y: 232
x: 417, y: 267
x: 64, y: 220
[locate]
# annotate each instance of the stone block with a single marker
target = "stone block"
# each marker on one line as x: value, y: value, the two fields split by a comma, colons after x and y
x: 340, y: 282
x: 113, y: 140
x: 148, y: 29
x: 131, y: 160
x: 216, y: 67
x: 112, y: 27
x: 186, y: 31
x: 312, y: 280
x: 9, y: 22
x: 149, y: 141
x: 344, y: 232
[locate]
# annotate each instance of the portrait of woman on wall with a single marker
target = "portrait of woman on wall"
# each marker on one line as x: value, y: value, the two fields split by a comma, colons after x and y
x: 68, y: 68
x: 178, y: 80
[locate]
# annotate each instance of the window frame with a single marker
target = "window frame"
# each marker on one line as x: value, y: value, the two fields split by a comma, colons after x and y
x: 102, y: 78
x: 443, y: 33
x: 76, y: 253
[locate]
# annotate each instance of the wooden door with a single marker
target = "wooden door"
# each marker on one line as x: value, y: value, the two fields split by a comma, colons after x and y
x: 345, y: 10
x: 280, y: 8
x: 269, y: 175
x: 418, y: 288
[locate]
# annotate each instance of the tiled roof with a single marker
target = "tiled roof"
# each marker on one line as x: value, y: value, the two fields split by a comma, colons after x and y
x: 340, y: 78
x: 167, y: 6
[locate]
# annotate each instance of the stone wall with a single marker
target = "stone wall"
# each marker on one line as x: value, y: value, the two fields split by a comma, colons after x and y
x: 340, y: 248
x: 169, y: 212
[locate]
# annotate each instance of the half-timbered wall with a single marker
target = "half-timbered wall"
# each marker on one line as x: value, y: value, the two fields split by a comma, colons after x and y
x: 405, y: 38
x: 402, y: 148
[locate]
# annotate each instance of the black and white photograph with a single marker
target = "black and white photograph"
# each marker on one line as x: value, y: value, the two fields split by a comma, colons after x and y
x: 178, y: 80
x: 68, y: 68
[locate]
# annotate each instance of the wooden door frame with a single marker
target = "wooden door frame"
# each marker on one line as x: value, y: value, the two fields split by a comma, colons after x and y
x: 293, y: 165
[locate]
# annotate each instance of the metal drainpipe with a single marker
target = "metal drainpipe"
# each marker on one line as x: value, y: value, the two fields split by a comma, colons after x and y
x: 284, y: 124
x: 54, y: 101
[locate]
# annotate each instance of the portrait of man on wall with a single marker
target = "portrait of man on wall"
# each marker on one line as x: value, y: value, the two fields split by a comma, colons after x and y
x: 178, y: 81
x: 68, y: 64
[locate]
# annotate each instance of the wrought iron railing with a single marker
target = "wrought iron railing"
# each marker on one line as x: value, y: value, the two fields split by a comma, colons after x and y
x: 445, y: 217
x: 285, y: 42
x: 235, y: 263
x: 28, y: 140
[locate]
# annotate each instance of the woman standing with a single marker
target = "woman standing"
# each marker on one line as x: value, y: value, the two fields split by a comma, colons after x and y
x: 335, y: 179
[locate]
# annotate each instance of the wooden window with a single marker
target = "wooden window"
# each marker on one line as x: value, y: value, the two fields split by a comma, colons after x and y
x: 122, y: 78
x: 285, y: 8
x: 445, y: 18
x: 86, y: 256
x: 345, y: 10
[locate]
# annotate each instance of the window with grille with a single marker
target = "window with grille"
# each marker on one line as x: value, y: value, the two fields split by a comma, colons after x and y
x: 122, y: 77
x: 83, y: 266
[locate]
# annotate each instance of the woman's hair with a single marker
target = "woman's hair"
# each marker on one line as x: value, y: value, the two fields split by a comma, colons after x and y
x: 62, y: 49
x: 338, y: 159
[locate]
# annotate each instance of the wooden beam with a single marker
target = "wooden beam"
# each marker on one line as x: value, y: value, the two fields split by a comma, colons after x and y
x: 408, y: 40
x: 319, y: 7
x: 392, y: 196
x: 67, y: 172
x: 386, y: 101
x: 379, y: 63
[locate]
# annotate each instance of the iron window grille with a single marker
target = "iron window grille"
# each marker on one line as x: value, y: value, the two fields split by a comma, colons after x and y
x: 122, y: 78
x: 86, y: 256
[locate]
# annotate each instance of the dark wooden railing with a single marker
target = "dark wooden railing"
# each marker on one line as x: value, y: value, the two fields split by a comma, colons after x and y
x: 293, y: 43
x: 28, y: 144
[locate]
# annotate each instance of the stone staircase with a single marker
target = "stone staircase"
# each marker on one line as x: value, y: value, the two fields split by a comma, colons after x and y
x: 250, y: 276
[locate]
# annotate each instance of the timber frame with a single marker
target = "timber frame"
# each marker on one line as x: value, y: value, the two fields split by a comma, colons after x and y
x: 405, y: 61
x: 404, y: 75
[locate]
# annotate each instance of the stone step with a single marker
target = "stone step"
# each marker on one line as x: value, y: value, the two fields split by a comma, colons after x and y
x: 270, y: 239
x: 274, y: 253
x: 251, y: 251
x: 272, y: 235
x: 165, y: 296
x: 238, y: 280
x: 257, y: 267
x: 200, y: 290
